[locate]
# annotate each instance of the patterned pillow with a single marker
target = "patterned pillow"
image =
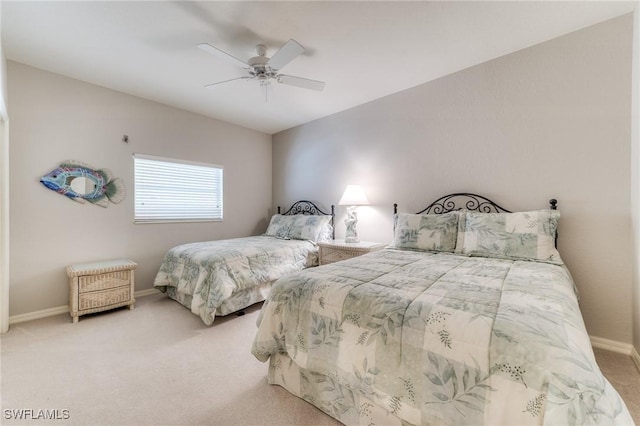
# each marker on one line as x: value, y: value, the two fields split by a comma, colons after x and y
x: 519, y: 236
x: 327, y: 232
x: 299, y: 227
x: 426, y: 232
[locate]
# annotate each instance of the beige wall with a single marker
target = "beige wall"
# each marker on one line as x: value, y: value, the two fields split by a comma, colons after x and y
x: 54, y: 118
x: 3, y: 76
x: 635, y: 175
x: 4, y: 193
x: 549, y: 121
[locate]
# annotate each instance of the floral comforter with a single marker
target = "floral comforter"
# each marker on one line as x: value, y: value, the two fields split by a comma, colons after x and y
x: 219, y: 277
x: 403, y: 337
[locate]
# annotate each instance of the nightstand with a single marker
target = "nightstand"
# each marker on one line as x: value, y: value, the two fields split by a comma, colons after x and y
x: 99, y: 286
x: 336, y: 250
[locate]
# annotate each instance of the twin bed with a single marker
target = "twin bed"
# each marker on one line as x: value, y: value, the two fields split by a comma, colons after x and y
x: 469, y: 317
x: 216, y: 278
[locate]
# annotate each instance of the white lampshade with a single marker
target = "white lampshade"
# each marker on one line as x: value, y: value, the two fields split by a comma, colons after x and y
x: 353, y: 196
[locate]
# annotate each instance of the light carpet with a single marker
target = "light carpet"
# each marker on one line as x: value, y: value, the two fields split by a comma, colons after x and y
x: 160, y: 365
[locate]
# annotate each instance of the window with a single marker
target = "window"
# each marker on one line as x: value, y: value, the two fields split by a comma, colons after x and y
x: 168, y: 190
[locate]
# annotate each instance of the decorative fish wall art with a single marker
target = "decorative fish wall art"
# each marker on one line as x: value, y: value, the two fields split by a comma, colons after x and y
x: 81, y: 182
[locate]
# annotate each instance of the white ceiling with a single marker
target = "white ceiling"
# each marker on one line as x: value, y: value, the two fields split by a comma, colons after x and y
x: 362, y: 50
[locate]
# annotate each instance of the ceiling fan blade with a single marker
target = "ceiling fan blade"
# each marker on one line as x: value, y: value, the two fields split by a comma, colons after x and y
x: 226, y: 81
x: 286, y: 54
x: 223, y: 55
x: 305, y: 83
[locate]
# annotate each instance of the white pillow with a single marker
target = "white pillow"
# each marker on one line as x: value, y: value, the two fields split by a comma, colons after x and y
x: 426, y: 232
x: 299, y: 227
x: 521, y: 236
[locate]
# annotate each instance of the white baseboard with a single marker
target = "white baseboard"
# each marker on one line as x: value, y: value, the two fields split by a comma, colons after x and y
x: 619, y: 347
x: 611, y: 345
x: 636, y: 358
x: 30, y: 316
x: 147, y: 292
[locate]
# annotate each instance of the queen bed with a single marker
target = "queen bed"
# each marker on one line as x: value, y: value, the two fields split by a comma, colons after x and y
x: 216, y: 278
x: 469, y: 317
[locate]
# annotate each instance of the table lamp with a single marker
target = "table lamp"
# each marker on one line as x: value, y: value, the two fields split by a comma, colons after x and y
x: 353, y: 196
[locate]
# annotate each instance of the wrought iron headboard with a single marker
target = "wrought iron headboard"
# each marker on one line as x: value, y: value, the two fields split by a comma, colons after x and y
x: 466, y: 201
x: 310, y: 208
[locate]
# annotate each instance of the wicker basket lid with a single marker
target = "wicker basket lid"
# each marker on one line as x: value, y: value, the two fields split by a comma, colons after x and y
x: 100, y: 267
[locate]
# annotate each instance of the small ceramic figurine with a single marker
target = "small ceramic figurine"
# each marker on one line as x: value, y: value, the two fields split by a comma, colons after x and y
x: 351, y: 235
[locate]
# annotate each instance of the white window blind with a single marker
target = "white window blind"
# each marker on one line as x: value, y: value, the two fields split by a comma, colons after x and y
x: 168, y: 190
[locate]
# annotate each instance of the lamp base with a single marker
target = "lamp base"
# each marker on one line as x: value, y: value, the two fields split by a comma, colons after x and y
x: 351, y: 236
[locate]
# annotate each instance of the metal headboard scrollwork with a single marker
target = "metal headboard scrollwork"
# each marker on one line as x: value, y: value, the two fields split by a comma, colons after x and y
x: 310, y: 208
x: 467, y: 201
x: 461, y: 201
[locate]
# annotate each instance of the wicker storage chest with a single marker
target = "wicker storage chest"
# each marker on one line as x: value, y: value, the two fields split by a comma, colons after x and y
x: 99, y: 286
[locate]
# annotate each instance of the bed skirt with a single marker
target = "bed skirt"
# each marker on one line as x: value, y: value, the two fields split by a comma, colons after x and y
x: 235, y: 303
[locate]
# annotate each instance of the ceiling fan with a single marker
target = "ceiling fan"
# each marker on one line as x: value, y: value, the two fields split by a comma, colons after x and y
x: 264, y: 69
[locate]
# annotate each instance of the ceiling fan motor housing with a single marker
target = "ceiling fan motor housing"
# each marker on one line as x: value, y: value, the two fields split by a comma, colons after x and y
x: 261, y: 49
x: 259, y: 64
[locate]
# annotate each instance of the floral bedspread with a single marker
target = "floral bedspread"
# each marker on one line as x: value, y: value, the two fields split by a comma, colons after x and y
x: 219, y: 277
x: 403, y: 337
